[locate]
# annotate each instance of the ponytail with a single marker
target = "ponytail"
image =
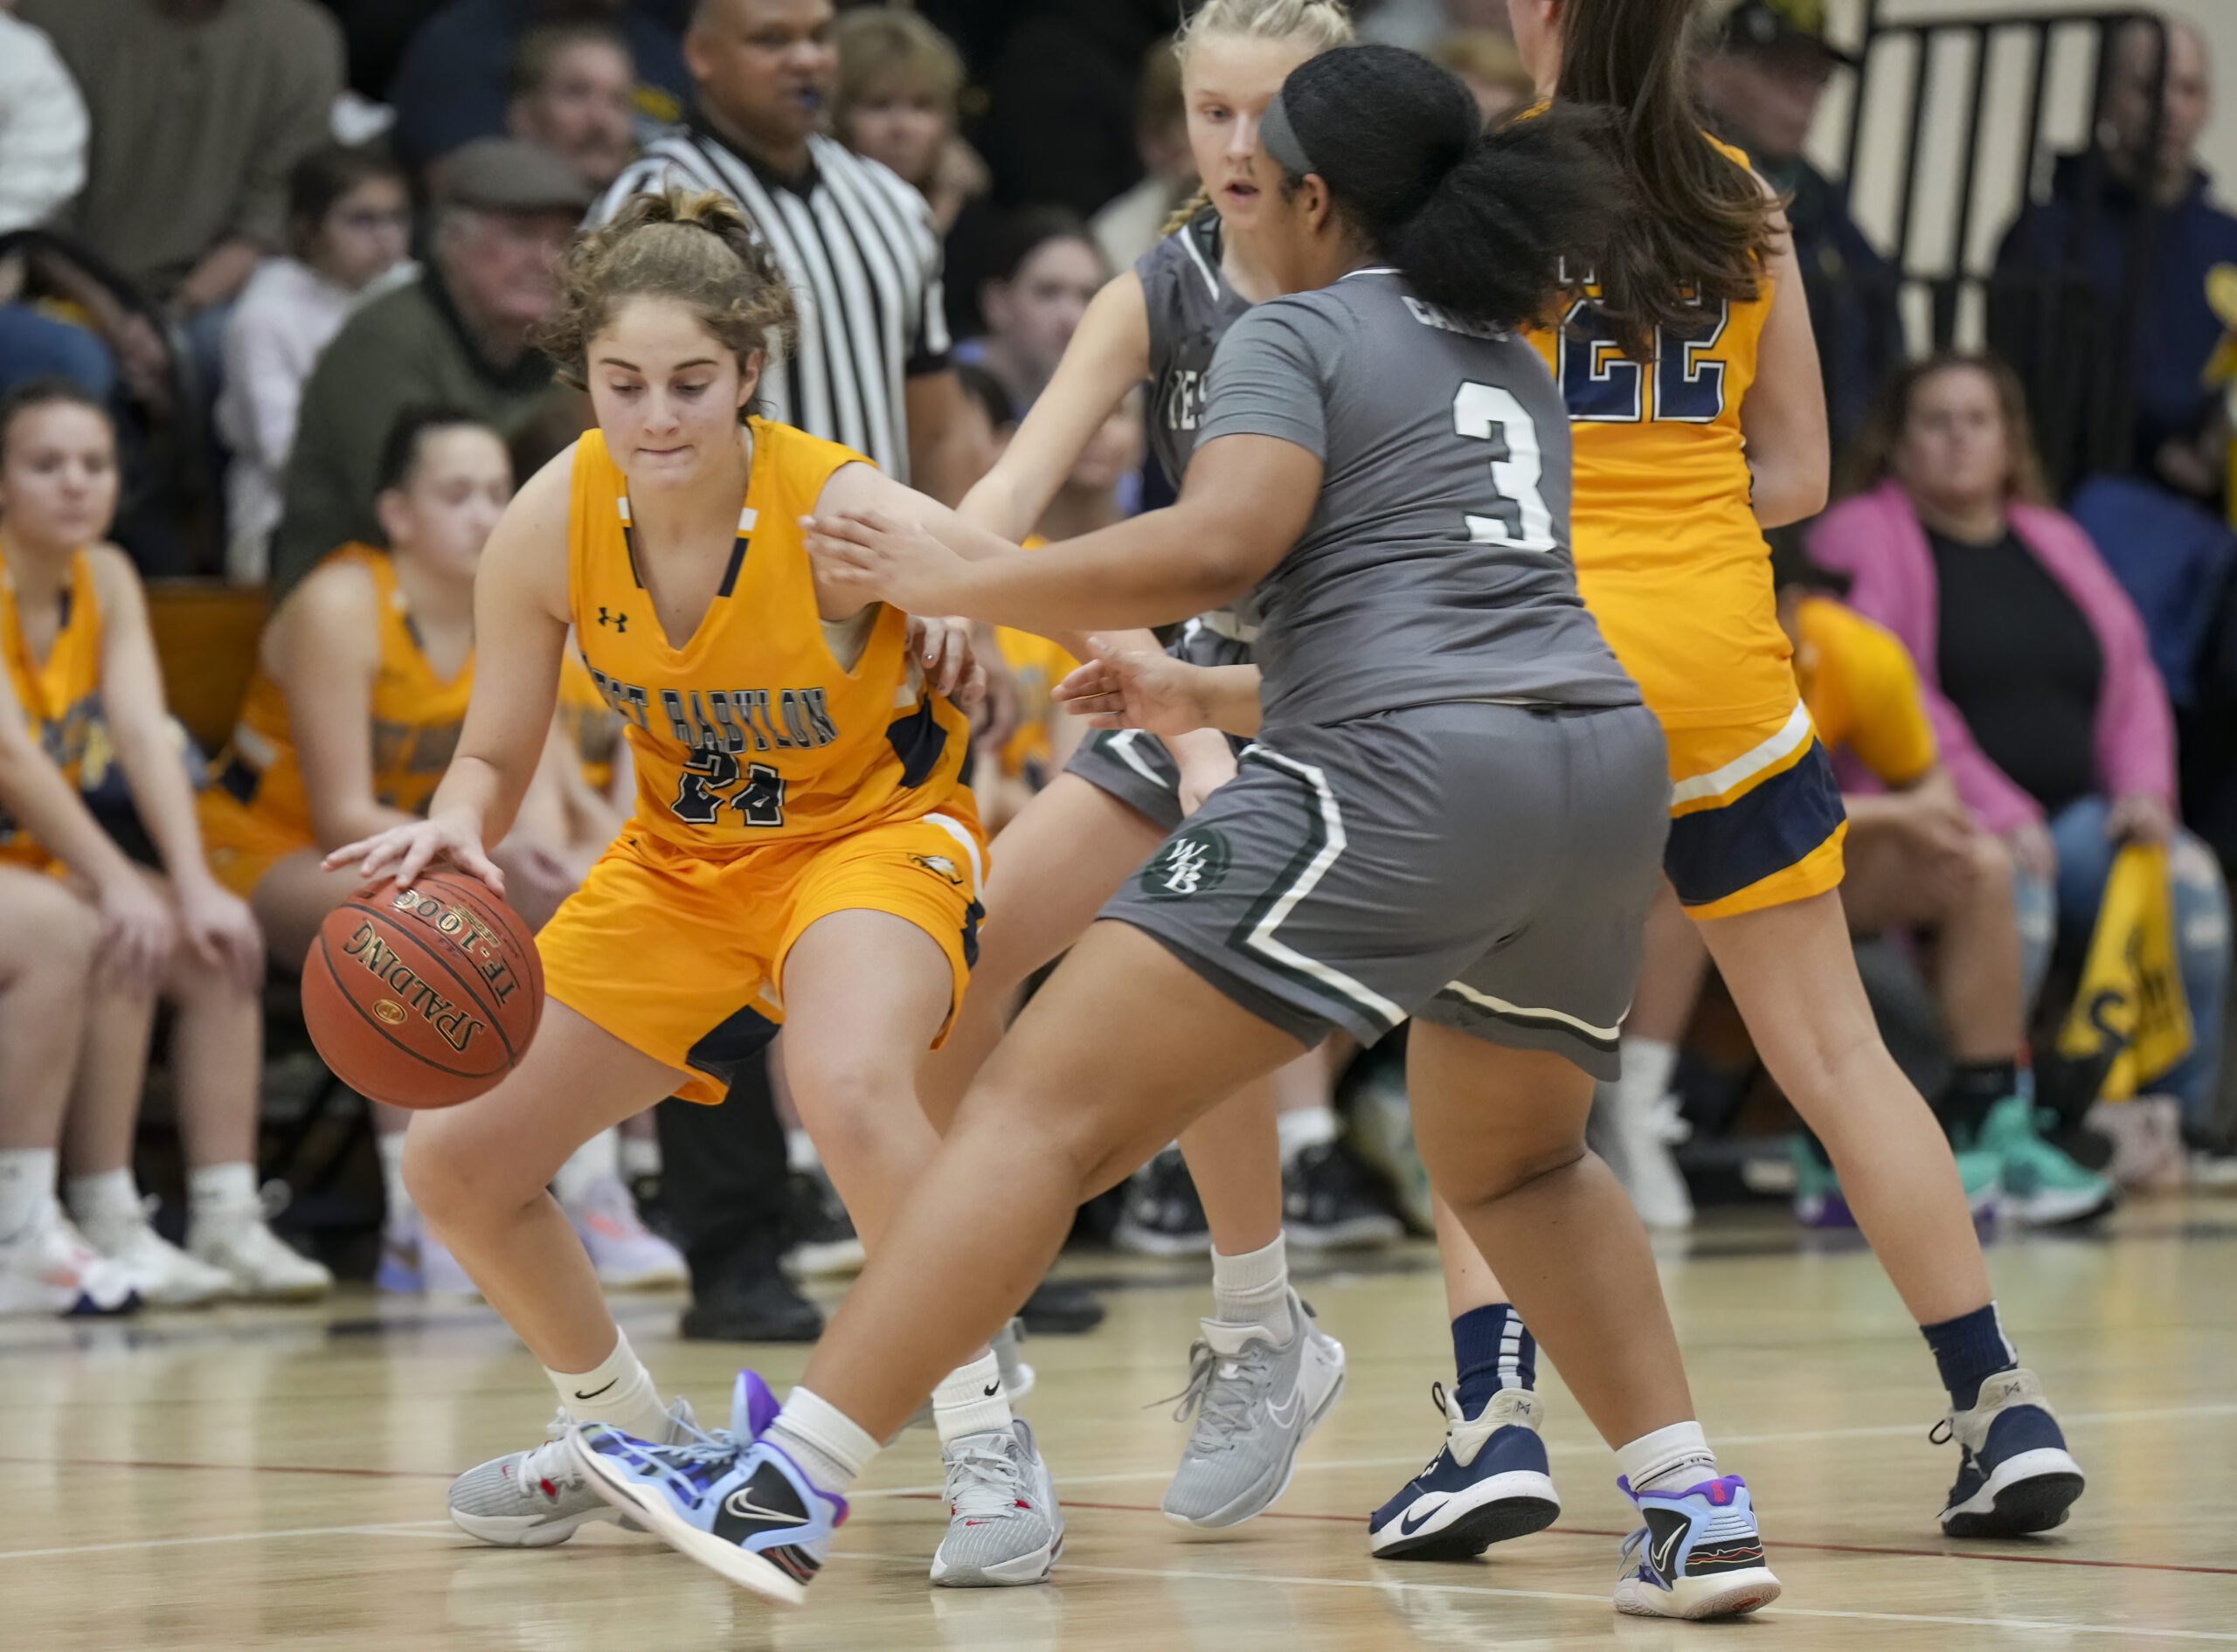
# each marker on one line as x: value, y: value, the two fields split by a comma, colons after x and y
x: 1479, y: 224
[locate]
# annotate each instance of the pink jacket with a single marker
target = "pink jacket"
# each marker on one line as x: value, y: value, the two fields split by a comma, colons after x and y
x: 1876, y: 539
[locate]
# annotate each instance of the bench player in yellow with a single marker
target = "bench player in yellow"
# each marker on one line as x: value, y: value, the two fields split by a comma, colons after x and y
x: 802, y: 851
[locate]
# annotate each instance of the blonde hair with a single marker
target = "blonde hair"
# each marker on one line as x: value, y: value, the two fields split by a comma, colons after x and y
x: 1322, y: 24
x: 881, y: 45
x: 694, y: 247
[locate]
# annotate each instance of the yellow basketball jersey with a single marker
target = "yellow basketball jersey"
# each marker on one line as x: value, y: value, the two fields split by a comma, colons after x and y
x: 1036, y: 666
x: 1669, y: 555
x: 752, y: 730
x: 416, y: 717
x: 61, y: 696
x: 592, y: 728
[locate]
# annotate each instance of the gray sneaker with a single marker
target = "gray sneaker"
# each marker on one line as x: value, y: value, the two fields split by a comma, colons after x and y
x: 1255, y: 1403
x: 533, y: 1499
x: 1003, y: 1523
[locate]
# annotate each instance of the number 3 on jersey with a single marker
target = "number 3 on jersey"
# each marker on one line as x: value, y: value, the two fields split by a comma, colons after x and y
x: 1518, y: 518
x: 704, y: 788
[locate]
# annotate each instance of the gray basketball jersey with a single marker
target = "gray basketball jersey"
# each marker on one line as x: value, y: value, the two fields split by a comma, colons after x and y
x: 1435, y: 565
x: 1191, y: 306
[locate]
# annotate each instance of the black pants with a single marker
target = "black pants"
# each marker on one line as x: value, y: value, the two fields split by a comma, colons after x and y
x: 723, y: 1176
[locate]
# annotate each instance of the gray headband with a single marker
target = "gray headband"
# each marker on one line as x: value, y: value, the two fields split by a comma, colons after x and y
x: 1280, y: 140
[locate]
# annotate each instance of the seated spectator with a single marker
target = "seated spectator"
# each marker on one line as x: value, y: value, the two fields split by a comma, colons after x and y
x: 1760, y: 82
x: 1047, y: 270
x: 896, y: 104
x: 348, y: 228
x: 2050, y: 716
x: 360, y: 689
x: 456, y: 80
x: 73, y: 629
x: 456, y: 336
x: 1129, y: 225
x: 186, y: 190
x: 2114, y: 367
x: 1487, y: 61
x: 42, y: 165
x: 571, y: 93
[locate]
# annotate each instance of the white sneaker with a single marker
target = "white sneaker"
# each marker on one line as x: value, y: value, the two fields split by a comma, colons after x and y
x: 2147, y: 1136
x: 1636, y: 1142
x: 164, y: 1275
x: 47, y: 1267
x: 627, y: 1254
x: 1003, y: 1527
x: 261, y: 1266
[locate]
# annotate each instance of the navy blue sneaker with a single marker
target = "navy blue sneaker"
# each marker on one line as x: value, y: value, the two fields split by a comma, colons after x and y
x: 2015, y: 1476
x: 743, y: 1508
x: 1489, y: 1483
x: 1697, y: 1556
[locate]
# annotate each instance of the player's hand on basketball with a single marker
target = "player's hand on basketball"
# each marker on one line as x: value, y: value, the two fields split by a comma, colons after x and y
x: 869, y: 555
x: 222, y: 932
x: 1128, y: 689
x: 951, y: 666
x: 137, y: 933
x: 401, y: 854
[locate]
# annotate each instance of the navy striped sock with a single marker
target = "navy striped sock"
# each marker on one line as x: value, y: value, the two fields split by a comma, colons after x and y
x: 1970, y: 1350
x: 1491, y: 1350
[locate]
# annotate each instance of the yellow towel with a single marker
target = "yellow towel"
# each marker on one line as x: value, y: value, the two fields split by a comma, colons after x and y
x: 2130, y: 1002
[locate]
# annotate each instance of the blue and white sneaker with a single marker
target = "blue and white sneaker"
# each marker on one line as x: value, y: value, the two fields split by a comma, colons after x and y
x: 1697, y: 1556
x: 743, y: 1508
x: 2015, y: 1475
x: 1490, y: 1481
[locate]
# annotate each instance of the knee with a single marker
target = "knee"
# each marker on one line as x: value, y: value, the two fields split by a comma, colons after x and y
x: 846, y: 1096
x: 453, y: 1180
x: 56, y: 929
x: 1495, y: 1178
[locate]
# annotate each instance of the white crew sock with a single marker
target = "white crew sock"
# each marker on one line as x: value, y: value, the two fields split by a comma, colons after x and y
x: 619, y: 1390
x: 822, y: 1440
x: 597, y: 1159
x: 1648, y: 1063
x: 1304, y: 1127
x: 391, y: 1148
x: 800, y: 1156
x: 971, y: 1400
x: 26, y: 1185
x: 222, y: 1193
x: 1678, y: 1454
x: 105, y: 1202
x: 1254, y: 1288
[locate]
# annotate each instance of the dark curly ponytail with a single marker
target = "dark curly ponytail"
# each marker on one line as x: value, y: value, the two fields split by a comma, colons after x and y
x: 696, y: 248
x: 1477, y: 222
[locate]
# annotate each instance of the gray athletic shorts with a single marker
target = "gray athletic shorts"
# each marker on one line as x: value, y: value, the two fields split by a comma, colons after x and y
x: 1485, y: 868
x: 1134, y: 766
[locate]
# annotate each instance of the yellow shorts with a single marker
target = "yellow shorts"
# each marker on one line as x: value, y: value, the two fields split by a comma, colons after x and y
x: 681, y: 953
x: 240, y: 845
x: 1756, y: 816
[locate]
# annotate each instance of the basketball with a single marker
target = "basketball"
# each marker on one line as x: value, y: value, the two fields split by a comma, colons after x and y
x: 423, y: 997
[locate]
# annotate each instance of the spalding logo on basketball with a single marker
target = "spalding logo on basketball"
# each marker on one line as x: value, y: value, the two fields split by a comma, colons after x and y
x: 423, y: 997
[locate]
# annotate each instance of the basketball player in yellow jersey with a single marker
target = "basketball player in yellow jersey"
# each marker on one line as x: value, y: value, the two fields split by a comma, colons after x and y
x: 1694, y: 391
x: 802, y: 853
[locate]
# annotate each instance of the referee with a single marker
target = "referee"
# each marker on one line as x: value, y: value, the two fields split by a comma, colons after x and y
x: 870, y: 370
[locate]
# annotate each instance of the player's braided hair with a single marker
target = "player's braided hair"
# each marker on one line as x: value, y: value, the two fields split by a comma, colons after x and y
x: 693, y: 246
x: 1477, y: 222
x: 1322, y: 25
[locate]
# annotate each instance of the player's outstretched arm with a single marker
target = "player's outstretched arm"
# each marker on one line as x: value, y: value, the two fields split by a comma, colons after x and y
x: 520, y: 629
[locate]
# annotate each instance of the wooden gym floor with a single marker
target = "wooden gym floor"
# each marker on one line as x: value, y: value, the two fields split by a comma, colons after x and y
x: 255, y: 1478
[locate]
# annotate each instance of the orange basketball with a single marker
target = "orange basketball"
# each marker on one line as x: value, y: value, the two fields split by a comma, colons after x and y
x: 423, y: 997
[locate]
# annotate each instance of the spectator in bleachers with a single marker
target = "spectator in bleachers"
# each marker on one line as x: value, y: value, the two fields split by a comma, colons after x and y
x: 456, y: 334
x: 2046, y: 704
x: 349, y: 229
x: 1047, y: 270
x: 199, y: 107
x: 1129, y: 225
x: 2066, y: 312
x: 572, y: 90
x: 895, y: 102
x: 1760, y: 80
x: 42, y: 165
x: 1489, y: 65
x: 456, y: 81
x: 81, y: 666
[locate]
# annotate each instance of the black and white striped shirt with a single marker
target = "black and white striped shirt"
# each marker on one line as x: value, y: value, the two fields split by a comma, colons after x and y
x: 858, y: 246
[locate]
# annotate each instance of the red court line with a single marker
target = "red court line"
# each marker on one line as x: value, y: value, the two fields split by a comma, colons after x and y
x: 1776, y: 1543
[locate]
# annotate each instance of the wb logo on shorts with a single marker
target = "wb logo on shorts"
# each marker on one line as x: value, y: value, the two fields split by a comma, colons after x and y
x: 1187, y: 864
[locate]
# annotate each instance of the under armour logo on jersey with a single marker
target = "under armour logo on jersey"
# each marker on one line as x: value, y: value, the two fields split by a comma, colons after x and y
x: 619, y: 622
x: 1187, y: 865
